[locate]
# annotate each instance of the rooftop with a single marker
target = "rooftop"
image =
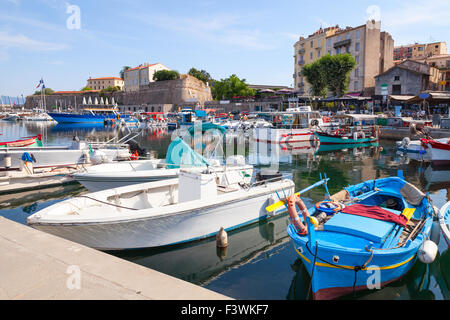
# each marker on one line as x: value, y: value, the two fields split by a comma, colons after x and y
x: 106, y: 78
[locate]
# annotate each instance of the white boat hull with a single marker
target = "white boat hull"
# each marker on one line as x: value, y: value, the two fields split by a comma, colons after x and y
x: 283, y: 136
x: 47, y: 157
x: 111, y: 228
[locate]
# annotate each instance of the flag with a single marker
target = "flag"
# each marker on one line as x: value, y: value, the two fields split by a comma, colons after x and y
x: 40, y: 82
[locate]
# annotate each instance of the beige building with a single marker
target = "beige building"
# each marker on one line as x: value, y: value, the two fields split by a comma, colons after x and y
x: 103, y: 83
x: 141, y: 76
x: 308, y: 50
x: 373, y: 52
x: 419, y: 51
x: 371, y: 48
x: 441, y: 62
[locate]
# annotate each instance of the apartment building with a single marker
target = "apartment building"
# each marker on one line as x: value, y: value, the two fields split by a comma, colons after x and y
x: 308, y: 50
x: 103, y: 83
x: 141, y: 76
x: 441, y: 62
x: 420, y: 51
x: 371, y: 48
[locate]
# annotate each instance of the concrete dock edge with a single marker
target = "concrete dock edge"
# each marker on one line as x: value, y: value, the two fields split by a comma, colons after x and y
x: 38, y: 266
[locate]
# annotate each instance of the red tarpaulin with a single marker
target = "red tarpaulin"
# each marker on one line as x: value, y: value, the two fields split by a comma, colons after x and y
x: 376, y: 213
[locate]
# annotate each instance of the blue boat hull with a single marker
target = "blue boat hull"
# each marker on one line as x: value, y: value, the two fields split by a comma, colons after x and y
x: 330, y: 282
x: 355, y: 253
x: 83, y: 118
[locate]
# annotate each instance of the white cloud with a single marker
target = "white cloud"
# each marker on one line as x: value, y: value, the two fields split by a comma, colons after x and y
x: 19, y: 41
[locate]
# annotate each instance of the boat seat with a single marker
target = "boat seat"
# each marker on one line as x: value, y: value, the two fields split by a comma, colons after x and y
x: 363, y: 227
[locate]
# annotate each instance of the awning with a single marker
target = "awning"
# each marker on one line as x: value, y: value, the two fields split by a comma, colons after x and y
x: 200, y: 113
x: 400, y: 98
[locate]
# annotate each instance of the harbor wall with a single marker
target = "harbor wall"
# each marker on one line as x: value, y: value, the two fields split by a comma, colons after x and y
x: 162, y: 95
x: 38, y: 266
x: 398, y: 134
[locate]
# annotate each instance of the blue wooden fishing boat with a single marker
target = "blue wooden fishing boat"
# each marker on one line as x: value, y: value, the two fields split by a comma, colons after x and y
x: 89, y: 115
x: 364, y: 237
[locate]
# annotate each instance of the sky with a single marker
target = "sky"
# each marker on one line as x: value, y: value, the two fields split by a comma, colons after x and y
x: 66, y: 42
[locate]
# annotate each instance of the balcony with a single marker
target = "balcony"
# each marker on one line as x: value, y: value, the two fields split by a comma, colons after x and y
x: 301, y: 51
x: 343, y: 43
x: 301, y: 62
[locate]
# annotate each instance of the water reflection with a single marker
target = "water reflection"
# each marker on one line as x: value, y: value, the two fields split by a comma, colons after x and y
x: 202, y: 261
x: 260, y: 262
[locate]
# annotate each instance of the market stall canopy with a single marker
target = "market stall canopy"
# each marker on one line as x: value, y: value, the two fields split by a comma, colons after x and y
x: 400, y: 98
x: 432, y: 98
x: 267, y: 91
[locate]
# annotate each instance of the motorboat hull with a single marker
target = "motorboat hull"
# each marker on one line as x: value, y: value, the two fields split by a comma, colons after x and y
x: 63, y: 156
x: 185, y: 224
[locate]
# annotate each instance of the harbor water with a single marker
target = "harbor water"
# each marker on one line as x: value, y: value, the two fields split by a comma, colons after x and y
x: 259, y: 263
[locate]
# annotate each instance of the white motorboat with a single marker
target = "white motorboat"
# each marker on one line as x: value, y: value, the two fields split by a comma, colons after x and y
x: 439, y: 150
x: 291, y: 126
x: 168, y: 212
x: 179, y: 155
x: 444, y: 222
x: 63, y: 156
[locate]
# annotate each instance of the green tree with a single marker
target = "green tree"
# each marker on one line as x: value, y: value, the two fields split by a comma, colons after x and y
x: 47, y: 92
x: 231, y: 87
x: 122, y: 72
x: 337, y: 70
x: 316, y: 77
x: 201, y: 75
x: 164, y: 75
x: 86, y: 89
x: 110, y: 89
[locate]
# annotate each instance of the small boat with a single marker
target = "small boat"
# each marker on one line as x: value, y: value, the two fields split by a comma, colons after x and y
x: 439, y: 150
x: 78, y: 153
x: 89, y: 115
x: 35, y: 141
x: 291, y: 126
x: 192, y: 207
x: 364, y: 237
x: 114, y: 175
x: 340, y: 136
x: 444, y: 222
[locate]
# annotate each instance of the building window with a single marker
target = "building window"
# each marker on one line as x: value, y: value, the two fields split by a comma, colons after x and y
x: 358, y: 34
x: 329, y: 42
x: 348, y: 36
x: 347, y: 50
x: 338, y: 38
x: 397, y: 89
x: 357, y: 72
x: 356, y: 85
x: 312, y: 44
x: 338, y: 50
x: 318, y: 54
x: 397, y: 78
x: 311, y: 55
x: 357, y: 46
x: 357, y: 59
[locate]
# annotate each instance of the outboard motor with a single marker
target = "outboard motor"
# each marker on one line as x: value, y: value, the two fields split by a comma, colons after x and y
x: 268, y: 176
x: 134, y: 146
